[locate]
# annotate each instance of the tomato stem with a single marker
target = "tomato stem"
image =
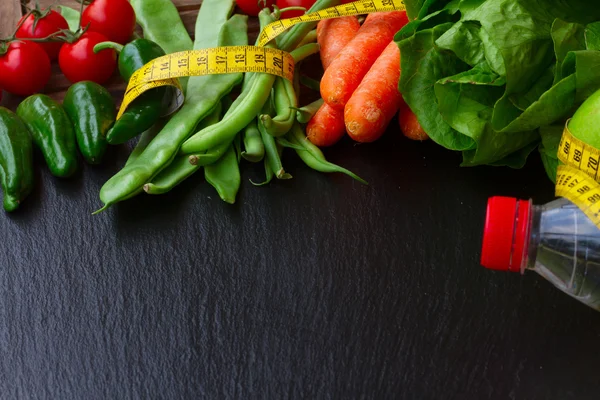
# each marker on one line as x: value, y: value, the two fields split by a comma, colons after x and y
x: 108, y: 45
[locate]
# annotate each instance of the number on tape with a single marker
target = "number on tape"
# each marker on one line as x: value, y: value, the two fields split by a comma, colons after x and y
x: 275, y: 29
x: 165, y: 70
x: 579, y: 188
x: 578, y: 155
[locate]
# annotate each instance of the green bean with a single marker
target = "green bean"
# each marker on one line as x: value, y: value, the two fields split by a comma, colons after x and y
x: 313, y: 157
x: 254, y: 148
x: 204, y: 93
x: 310, y: 37
x: 285, y: 102
x: 224, y: 175
x: 305, y: 114
x: 245, y: 108
x: 310, y: 83
x: 181, y: 168
x: 268, y: 173
x: 271, y: 152
x: 162, y: 24
x: 290, y: 39
x: 145, y: 139
x: 285, y: 97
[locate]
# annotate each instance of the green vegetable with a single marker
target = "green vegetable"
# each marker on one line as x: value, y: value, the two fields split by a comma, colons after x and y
x: 305, y: 114
x: 289, y: 40
x: 184, y: 166
x: 145, y: 110
x: 224, y: 175
x: 312, y: 155
x: 205, y: 92
x: 52, y: 132
x: 272, y: 153
x: 254, y: 148
x: 486, y: 76
x: 245, y: 107
x: 16, y: 165
x: 162, y: 24
x: 91, y: 109
x: 286, y: 103
x: 145, y: 139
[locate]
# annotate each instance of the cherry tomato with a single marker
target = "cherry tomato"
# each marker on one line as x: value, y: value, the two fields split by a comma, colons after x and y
x: 115, y: 19
x: 294, y: 3
x: 24, y: 68
x: 251, y: 7
x: 48, y: 23
x: 78, y: 61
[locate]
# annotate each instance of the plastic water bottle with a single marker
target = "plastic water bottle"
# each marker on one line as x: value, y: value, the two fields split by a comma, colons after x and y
x: 556, y: 240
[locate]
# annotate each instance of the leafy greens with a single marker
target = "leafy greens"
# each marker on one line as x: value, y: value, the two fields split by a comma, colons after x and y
x: 497, y: 79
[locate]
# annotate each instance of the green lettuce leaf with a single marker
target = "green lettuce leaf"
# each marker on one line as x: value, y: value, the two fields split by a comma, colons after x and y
x: 488, y: 77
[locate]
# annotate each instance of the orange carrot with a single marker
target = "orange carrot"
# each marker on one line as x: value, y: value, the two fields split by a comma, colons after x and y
x: 354, y: 61
x: 333, y: 35
x: 410, y: 126
x: 377, y: 99
x: 326, y: 127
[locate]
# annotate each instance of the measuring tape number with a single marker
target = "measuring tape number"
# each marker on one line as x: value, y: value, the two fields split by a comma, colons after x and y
x: 276, y: 28
x: 165, y: 71
x: 577, y: 180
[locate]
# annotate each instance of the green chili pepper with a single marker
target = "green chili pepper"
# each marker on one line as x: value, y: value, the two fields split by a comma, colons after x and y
x: 91, y: 109
x: 52, y: 132
x: 305, y: 114
x: 312, y: 155
x: 162, y: 24
x: 224, y: 175
x: 205, y: 92
x: 16, y: 160
x: 145, y: 110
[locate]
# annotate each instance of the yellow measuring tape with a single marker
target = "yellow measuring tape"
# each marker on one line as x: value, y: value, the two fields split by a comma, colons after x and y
x: 165, y: 71
x: 578, y: 180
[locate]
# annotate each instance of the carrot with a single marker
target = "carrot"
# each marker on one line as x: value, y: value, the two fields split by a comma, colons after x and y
x: 410, y: 126
x: 377, y: 99
x: 333, y: 35
x: 326, y: 127
x: 354, y: 61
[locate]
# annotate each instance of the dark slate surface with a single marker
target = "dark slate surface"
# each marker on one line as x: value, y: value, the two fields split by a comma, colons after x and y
x: 314, y: 288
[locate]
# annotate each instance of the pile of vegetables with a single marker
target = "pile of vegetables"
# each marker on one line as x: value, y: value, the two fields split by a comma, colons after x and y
x: 225, y: 118
x: 497, y: 79
x: 494, y: 79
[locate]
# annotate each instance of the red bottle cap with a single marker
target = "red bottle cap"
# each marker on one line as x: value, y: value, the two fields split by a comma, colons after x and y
x: 506, y: 234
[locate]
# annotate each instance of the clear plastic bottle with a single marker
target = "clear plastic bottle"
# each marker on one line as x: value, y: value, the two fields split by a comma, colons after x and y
x: 556, y: 240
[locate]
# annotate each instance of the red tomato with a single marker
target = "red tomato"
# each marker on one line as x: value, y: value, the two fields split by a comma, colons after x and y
x: 115, y: 19
x: 251, y: 7
x: 48, y: 23
x: 294, y: 3
x: 79, y: 62
x: 24, y: 68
